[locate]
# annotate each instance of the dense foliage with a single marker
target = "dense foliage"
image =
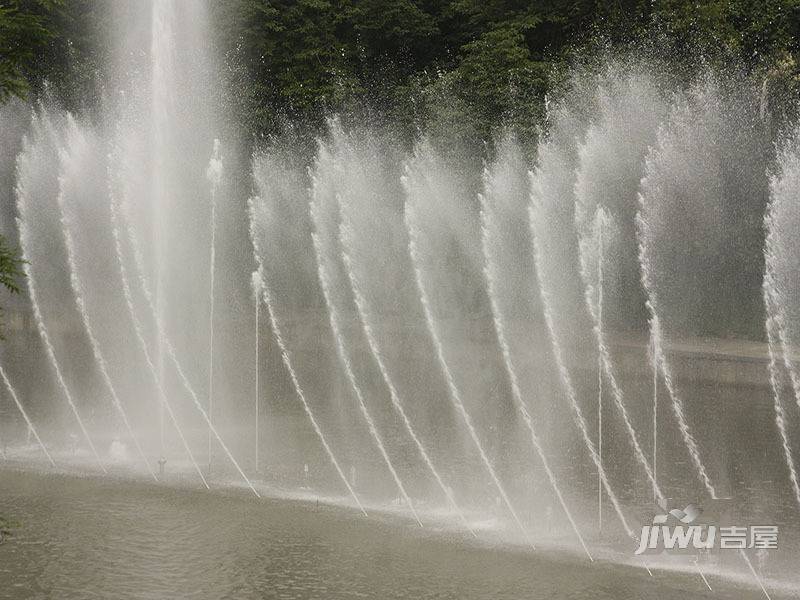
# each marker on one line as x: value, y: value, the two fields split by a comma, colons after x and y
x: 24, y: 32
x: 491, y: 60
x: 10, y: 269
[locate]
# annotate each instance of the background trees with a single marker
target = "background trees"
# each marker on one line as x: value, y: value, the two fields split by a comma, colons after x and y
x: 493, y: 61
x: 23, y: 34
x: 10, y: 269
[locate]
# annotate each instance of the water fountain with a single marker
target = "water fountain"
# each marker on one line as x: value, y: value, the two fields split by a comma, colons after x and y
x: 75, y: 165
x: 12, y: 392
x: 256, y: 283
x: 780, y: 293
x: 421, y: 185
x: 501, y: 205
x: 460, y: 337
x: 31, y: 172
x: 361, y: 169
x: 324, y: 215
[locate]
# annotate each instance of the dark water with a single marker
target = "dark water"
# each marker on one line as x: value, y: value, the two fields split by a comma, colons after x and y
x: 89, y: 538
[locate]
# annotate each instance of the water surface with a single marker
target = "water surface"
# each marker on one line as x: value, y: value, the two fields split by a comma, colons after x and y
x: 89, y: 538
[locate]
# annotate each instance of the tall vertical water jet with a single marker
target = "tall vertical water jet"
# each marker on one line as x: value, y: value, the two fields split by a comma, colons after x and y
x: 506, y: 195
x: 255, y: 285
x: 162, y: 112
x: 170, y: 349
x: 116, y: 187
x: 598, y: 316
x: 13, y: 393
x: 33, y: 167
x: 325, y: 217
x: 258, y: 227
x: 596, y: 235
x: 214, y: 176
x: 74, y: 161
x: 651, y: 351
x: 174, y: 121
x: 416, y: 191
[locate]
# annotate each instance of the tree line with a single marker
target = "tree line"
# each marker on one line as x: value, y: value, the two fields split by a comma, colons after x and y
x: 492, y: 60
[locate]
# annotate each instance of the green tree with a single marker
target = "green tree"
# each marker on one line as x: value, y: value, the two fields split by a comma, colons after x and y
x: 10, y: 268
x: 23, y: 34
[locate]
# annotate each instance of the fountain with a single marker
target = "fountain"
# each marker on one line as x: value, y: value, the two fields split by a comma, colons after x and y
x: 25, y: 416
x: 256, y: 223
x: 356, y: 196
x: 214, y: 176
x: 502, y: 204
x: 324, y: 215
x: 421, y: 185
x: 31, y: 166
x: 479, y: 339
x: 74, y: 165
x: 256, y: 284
x: 554, y: 248
x: 780, y: 293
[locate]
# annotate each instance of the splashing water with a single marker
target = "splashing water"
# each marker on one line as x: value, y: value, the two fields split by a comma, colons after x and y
x: 610, y: 164
x: 27, y: 173
x: 137, y: 327
x: 675, y: 398
x: 688, y: 135
x: 694, y: 131
x: 24, y: 414
x: 552, y: 225
x: 348, y: 369
x: 214, y: 176
x: 621, y: 146
x: 781, y: 257
x: 256, y: 285
x: 362, y: 307
x: 71, y: 163
x: 362, y: 171
x: 454, y: 393
x: 592, y: 261
x: 255, y: 223
x: 164, y: 339
x: 324, y: 216
x: 775, y: 382
x: 489, y: 229
x: 566, y: 382
x: 780, y: 264
x: 644, y: 228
